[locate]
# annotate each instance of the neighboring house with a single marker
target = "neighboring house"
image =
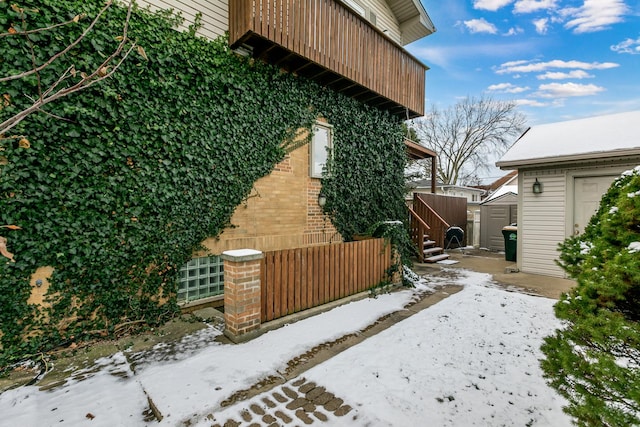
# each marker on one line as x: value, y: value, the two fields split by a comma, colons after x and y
x: 564, y: 169
x: 472, y: 194
x: 508, y: 179
x: 498, y: 210
x: 353, y: 47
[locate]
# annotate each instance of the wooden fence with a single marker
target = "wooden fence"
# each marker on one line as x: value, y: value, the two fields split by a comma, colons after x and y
x: 298, y: 279
x: 453, y: 210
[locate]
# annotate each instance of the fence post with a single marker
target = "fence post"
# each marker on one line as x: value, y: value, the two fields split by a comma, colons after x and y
x: 242, y: 294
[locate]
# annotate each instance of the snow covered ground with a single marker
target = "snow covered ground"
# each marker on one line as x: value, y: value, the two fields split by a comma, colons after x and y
x: 471, y: 359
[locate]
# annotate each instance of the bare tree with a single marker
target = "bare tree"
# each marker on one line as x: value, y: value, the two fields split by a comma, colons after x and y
x: 81, y: 79
x: 468, y: 135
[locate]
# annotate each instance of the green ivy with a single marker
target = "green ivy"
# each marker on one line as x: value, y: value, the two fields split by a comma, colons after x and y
x: 593, y: 359
x: 120, y: 183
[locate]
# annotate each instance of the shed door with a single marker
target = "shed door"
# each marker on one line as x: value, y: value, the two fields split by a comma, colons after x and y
x: 493, y: 218
x: 587, y: 194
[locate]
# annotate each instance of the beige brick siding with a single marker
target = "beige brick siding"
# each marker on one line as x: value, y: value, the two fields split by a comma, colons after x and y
x: 282, y: 212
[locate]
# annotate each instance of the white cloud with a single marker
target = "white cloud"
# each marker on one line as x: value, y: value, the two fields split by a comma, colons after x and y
x: 492, y: 5
x: 627, y: 46
x: 514, y: 31
x: 529, y: 67
x: 531, y: 102
x: 507, y: 88
x: 575, y: 74
x: 528, y: 6
x: 480, y: 26
x: 564, y: 90
x: 594, y: 15
x: 541, y: 25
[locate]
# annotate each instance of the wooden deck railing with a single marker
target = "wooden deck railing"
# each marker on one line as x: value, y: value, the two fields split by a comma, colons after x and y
x: 297, y: 279
x: 330, y: 35
x: 438, y: 225
x: 418, y: 229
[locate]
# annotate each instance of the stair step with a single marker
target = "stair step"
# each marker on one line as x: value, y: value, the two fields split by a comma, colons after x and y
x: 432, y: 250
x: 429, y: 242
x: 437, y: 258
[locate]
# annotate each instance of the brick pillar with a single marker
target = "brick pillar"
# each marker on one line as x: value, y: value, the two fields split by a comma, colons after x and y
x: 242, y: 294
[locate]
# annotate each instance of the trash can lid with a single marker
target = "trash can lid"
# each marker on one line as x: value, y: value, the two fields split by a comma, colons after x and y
x: 510, y: 228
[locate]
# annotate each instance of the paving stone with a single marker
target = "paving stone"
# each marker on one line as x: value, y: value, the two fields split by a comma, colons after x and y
x: 290, y: 393
x: 343, y: 410
x: 280, y: 398
x: 268, y: 418
x: 304, y: 417
x: 324, y: 398
x: 297, y: 403
x: 284, y: 417
x: 268, y: 402
x: 307, y: 387
x: 255, y: 425
x: 333, y: 404
x: 257, y: 409
x: 315, y: 392
x: 298, y: 382
x: 309, y: 407
x: 246, y: 415
x: 274, y: 425
x: 231, y: 423
x: 320, y: 416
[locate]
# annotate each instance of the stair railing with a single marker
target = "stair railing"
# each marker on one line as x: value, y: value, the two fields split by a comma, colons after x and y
x: 418, y: 229
x: 437, y: 224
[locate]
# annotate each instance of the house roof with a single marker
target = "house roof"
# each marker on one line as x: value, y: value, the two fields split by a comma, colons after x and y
x: 593, y: 138
x: 413, y: 19
x: 508, y: 198
x: 425, y: 183
x: 505, y: 189
x: 503, y: 181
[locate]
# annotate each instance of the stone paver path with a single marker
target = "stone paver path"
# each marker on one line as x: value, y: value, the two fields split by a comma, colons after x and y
x: 295, y: 403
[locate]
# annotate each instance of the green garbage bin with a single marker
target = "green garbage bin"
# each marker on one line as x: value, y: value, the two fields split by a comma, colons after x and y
x: 510, y: 233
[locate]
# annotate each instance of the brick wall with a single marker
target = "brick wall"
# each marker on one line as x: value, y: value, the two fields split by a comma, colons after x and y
x: 282, y: 211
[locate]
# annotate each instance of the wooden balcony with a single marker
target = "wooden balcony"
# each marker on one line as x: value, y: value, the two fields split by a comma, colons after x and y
x: 328, y: 43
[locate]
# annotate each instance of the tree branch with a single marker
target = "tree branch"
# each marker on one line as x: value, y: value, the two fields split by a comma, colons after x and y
x: 100, y: 73
x: 65, y: 50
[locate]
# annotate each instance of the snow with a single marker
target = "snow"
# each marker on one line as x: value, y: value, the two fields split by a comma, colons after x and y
x: 607, y: 133
x: 505, y: 189
x: 239, y: 253
x: 634, y: 247
x: 471, y: 359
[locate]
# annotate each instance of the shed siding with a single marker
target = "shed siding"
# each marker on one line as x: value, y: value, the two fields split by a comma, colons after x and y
x: 541, y: 222
x: 215, y: 14
x: 545, y: 220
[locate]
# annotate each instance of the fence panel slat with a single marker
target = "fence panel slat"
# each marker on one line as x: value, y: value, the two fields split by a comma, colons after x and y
x: 299, y: 279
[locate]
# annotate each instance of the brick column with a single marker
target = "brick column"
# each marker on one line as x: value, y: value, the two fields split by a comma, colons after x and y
x: 242, y: 294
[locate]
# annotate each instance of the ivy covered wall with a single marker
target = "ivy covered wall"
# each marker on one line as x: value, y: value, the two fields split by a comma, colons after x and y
x: 116, y: 186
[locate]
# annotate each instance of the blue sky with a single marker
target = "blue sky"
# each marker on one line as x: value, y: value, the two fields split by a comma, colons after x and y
x: 559, y: 59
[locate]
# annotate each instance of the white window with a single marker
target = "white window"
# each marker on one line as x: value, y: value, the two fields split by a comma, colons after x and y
x: 321, y: 144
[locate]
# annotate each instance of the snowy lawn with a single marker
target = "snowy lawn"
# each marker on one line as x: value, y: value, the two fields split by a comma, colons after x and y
x: 472, y: 359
